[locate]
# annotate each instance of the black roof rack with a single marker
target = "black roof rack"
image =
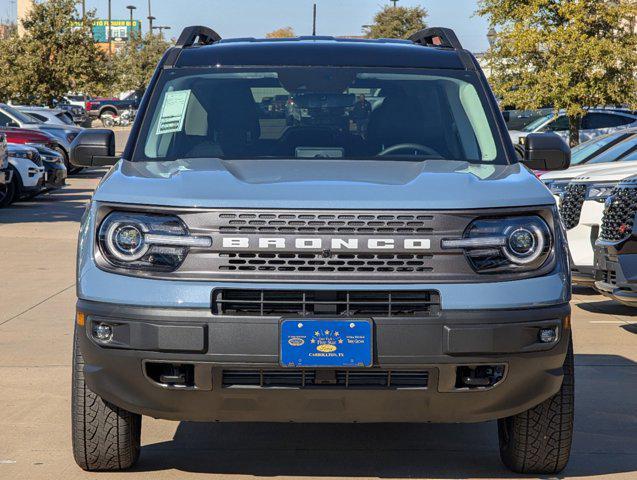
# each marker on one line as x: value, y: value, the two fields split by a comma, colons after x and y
x: 197, y: 34
x: 437, y: 37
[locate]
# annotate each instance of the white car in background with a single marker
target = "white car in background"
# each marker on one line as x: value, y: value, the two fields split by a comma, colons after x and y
x: 595, y: 155
x: 581, y: 211
x: 596, y: 122
x: 28, y: 172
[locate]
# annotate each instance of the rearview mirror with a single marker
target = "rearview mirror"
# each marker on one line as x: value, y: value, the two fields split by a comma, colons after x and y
x: 93, y: 148
x: 546, y: 151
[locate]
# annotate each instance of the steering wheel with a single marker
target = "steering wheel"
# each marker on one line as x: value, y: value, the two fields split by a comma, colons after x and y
x: 410, y: 146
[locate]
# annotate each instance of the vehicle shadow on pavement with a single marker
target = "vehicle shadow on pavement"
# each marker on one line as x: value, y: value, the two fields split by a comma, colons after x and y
x: 605, y: 440
x: 91, y: 173
x: 608, y: 307
x: 64, y: 207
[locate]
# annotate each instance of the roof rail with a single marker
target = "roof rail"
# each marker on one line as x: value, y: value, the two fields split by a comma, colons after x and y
x: 197, y: 34
x: 437, y: 37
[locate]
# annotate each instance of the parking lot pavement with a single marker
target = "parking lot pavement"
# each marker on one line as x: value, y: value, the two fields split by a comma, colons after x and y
x: 37, y: 297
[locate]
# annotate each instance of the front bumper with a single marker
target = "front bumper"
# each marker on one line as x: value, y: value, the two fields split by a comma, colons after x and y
x: 55, y: 175
x: 616, y: 273
x: 215, y: 345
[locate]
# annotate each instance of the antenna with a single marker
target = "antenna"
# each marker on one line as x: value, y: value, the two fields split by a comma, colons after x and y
x: 314, y: 21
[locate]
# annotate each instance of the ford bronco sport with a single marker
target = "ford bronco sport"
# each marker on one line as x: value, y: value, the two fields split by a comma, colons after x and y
x: 397, y: 265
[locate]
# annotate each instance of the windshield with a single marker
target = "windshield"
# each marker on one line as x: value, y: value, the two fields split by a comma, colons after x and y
x: 537, y: 123
x: 65, y: 118
x: 583, y: 152
x: 617, y: 152
x: 324, y: 112
x: 21, y: 117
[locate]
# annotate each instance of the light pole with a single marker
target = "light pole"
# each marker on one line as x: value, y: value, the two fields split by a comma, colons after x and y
x: 492, y: 36
x: 150, y: 19
x: 161, y: 29
x: 131, y: 8
x: 110, y: 43
x: 394, y: 2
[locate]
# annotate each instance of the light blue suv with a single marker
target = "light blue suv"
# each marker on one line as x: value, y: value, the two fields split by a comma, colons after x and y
x: 387, y: 260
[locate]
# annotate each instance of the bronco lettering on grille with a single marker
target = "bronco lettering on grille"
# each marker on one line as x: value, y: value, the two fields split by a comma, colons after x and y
x: 320, y: 243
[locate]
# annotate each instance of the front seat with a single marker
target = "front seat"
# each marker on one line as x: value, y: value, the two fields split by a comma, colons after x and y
x: 400, y: 119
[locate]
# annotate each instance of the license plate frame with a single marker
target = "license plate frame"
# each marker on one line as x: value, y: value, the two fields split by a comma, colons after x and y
x: 326, y: 342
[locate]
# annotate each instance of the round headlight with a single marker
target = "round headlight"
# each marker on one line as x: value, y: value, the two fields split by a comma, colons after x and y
x: 524, y: 244
x: 125, y: 241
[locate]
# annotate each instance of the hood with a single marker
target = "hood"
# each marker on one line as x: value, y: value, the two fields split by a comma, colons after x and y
x: 581, y: 170
x: 330, y: 184
x: 615, y: 173
x: 53, y: 128
x: 14, y: 148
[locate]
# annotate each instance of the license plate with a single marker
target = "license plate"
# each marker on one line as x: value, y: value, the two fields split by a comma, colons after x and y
x: 326, y: 343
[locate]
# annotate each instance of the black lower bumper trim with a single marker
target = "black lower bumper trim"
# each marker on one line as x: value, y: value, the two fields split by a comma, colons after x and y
x: 428, y: 352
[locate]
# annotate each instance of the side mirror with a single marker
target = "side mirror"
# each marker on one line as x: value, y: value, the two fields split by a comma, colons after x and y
x: 93, y: 148
x: 546, y: 151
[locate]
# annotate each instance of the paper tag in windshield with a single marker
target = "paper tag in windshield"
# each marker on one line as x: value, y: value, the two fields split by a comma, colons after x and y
x: 173, y: 112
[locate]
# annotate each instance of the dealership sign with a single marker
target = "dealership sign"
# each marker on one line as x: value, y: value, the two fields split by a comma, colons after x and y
x: 120, y: 29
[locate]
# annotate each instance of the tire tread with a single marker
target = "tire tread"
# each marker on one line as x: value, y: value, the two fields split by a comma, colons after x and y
x: 105, y: 437
x: 539, y: 439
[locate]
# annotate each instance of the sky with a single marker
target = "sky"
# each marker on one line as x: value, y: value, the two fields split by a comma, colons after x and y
x: 255, y: 18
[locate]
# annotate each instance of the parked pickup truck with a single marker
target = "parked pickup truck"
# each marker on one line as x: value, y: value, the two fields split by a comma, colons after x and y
x: 97, y: 108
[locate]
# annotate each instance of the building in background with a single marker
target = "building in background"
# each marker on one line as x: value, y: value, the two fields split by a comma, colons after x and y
x: 24, y: 7
x: 6, y: 29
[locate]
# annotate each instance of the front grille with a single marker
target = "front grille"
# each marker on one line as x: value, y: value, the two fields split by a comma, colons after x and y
x: 316, y: 262
x: 325, y: 223
x: 571, y: 205
x: 367, y: 303
x: 619, y: 214
x: 610, y: 277
x: 349, y: 379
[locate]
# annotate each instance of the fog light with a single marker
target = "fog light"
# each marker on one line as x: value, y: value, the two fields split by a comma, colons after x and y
x: 103, y: 332
x: 548, y: 335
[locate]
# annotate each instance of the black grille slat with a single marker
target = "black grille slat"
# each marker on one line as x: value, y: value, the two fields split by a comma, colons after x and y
x: 619, y: 214
x: 571, y: 205
x: 309, y: 262
x: 344, y: 379
x: 356, y: 223
x: 316, y: 302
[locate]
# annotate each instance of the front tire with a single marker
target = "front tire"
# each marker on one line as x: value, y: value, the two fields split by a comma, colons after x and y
x: 105, y: 437
x: 7, y: 193
x: 539, y: 440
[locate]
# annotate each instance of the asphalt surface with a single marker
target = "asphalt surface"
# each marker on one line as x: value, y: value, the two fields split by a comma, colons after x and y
x: 37, y: 300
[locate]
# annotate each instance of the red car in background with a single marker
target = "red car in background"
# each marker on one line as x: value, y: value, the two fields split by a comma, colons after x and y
x: 29, y: 137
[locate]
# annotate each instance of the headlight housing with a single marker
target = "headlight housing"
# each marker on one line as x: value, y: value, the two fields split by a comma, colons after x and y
x: 556, y: 187
x: 28, y: 154
x: 143, y: 241
x: 505, y: 245
x: 600, y: 191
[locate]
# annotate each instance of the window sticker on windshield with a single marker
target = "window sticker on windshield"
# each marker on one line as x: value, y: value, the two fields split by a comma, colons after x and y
x: 173, y: 111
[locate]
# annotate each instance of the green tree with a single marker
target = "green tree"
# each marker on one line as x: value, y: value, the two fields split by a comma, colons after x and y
x: 53, y: 57
x: 571, y: 55
x: 136, y: 62
x: 397, y: 22
x: 285, y: 32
